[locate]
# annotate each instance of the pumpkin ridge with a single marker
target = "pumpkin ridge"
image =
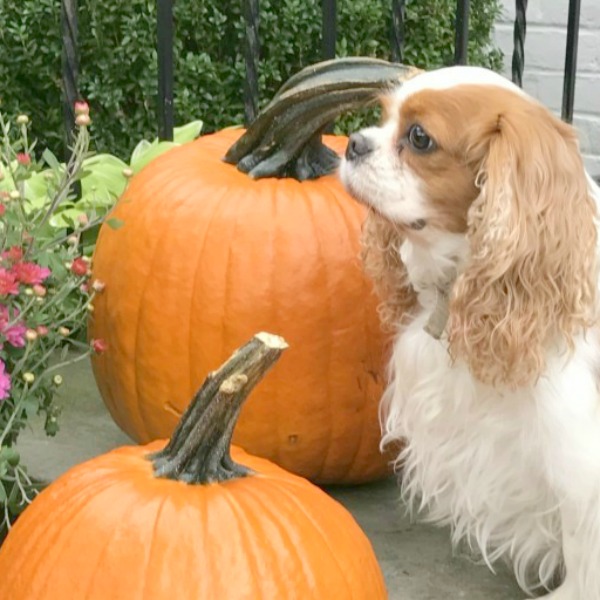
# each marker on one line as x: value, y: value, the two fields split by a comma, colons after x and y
x: 358, y: 447
x: 137, y: 368
x: 276, y: 522
x: 218, y: 206
x: 102, y: 554
x: 37, y: 531
x: 273, y: 270
x: 227, y: 271
x: 326, y: 357
x: 153, y: 536
x: 324, y: 538
x: 248, y: 542
x: 64, y: 536
x: 347, y: 473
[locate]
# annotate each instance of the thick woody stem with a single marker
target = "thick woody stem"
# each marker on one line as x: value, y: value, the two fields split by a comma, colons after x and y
x: 199, y: 450
x: 285, y: 138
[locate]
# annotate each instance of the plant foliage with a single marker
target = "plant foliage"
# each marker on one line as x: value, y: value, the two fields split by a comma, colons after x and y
x: 118, y: 63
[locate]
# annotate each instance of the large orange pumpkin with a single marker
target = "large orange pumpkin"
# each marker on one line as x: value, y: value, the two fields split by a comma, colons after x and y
x: 207, y: 254
x: 186, y: 522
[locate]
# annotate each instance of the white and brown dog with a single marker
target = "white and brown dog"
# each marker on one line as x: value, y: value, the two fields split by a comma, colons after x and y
x: 488, y: 206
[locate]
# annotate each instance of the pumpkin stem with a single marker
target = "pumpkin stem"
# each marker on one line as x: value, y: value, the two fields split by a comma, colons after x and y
x: 199, y: 450
x: 285, y: 138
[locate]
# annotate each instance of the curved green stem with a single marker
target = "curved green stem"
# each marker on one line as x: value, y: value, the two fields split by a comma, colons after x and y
x: 198, y: 451
x: 285, y: 138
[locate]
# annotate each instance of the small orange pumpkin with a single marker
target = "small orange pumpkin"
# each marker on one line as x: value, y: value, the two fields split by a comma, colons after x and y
x: 207, y: 254
x: 185, y: 521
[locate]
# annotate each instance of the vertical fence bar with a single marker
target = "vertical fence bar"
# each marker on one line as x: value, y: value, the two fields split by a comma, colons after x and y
x: 398, y: 16
x: 252, y: 55
x: 519, y: 32
x: 571, y: 60
x: 462, y: 32
x: 70, y: 66
x: 164, y: 36
x: 329, y: 30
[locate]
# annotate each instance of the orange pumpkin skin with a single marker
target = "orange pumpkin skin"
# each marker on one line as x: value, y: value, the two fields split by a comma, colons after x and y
x: 109, y: 529
x: 205, y: 257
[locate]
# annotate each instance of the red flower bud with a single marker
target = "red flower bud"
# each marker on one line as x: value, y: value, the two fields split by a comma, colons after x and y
x: 39, y: 290
x: 99, y: 346
x: 79, y: 267
x: 82, y: 108
x: 23, y: 159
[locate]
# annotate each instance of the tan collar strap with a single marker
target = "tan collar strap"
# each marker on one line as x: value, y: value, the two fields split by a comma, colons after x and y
x: 438, y: 320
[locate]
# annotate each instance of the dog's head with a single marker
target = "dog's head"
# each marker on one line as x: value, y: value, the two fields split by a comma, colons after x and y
x: 463, y: 151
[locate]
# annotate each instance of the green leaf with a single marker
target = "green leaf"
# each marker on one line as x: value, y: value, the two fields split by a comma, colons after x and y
x: 142, y: 147
x: 115, y: 223
x: 10, y: 455
x: 30, y: 406
x: 187, y: 133
x: 51, y: 160
x: 152, y: 152
x: 36, y: 190
x: 146, y: 151
x: 65, y: 218
x: 3, y: 496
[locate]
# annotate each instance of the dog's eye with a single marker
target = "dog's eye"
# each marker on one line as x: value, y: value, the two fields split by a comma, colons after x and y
x: 419, y: 140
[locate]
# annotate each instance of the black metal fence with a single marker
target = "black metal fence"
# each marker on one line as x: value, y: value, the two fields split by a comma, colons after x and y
x: 166, y: 32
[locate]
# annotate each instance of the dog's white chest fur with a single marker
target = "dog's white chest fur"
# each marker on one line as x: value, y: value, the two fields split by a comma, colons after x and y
x: 492, y: 463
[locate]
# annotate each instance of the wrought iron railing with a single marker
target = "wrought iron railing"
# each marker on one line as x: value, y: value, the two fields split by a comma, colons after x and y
x: 165, y: 33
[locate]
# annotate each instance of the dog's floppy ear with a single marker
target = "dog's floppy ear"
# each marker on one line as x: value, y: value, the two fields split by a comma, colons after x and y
x: 380, y: 254
x: 531, y: 279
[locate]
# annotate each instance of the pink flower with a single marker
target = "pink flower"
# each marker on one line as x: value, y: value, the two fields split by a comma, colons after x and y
x: 8, y: 282
x: 79, y: 266
x: 30, y: 273
x: 15, y: 335
x: 2, y: 209
x: 4, y: 382
x: 13, y: 254
x: 23, y: 159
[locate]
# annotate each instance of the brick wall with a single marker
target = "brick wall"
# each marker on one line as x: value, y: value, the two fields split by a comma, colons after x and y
x: 544, y: 63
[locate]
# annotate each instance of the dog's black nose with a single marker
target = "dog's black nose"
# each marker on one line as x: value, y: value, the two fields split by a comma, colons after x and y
x: 358, y: 146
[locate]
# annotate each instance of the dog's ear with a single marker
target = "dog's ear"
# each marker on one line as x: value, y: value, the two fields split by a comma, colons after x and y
x: 380, y: 254
x: 531, y: 278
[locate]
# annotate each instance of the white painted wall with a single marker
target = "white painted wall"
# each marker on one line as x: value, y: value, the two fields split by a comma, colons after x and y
x: 545, y: 44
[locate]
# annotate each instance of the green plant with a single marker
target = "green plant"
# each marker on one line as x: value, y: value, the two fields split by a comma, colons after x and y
x: 45, y: 293
x: 209, y: 56
x: 103, y: 178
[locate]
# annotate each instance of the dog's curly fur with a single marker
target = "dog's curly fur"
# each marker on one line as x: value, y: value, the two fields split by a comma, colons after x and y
x: 380, y: 254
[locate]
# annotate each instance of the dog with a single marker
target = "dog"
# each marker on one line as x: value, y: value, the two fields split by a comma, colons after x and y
x: 482, y: 237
